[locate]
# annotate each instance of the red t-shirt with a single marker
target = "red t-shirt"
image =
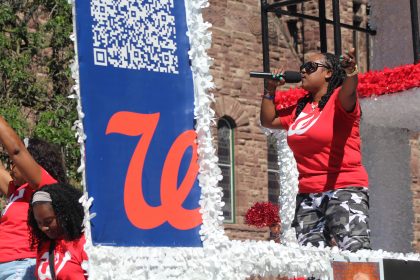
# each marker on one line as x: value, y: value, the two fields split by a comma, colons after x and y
x: 326, y: 146
x: 14, y: 231
x: 70, y: 260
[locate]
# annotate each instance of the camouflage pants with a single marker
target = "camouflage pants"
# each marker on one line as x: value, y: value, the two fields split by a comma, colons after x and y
x: 334, y: 217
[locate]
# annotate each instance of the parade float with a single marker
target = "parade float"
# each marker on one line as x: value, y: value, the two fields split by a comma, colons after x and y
x: 153, y: 205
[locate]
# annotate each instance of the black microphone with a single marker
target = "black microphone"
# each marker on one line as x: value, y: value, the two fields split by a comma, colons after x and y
x: 288, y: 76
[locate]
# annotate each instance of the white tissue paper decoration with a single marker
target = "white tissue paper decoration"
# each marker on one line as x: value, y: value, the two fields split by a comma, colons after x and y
x: 288, y: 188
x: 81, y: 137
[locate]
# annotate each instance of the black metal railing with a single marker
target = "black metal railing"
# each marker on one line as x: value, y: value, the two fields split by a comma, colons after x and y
x: 321, y: 19
x: 337, y: 25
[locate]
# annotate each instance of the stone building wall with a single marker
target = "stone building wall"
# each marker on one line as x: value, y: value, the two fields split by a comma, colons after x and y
x: 415, y: 187
x: 236, y: 50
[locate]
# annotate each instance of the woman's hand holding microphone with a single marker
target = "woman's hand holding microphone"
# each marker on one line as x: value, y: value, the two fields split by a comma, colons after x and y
x: 272, y: 84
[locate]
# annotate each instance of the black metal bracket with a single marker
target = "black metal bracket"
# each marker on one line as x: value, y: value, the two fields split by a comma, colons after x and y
x: 323, y: 21
x: 415, y: 30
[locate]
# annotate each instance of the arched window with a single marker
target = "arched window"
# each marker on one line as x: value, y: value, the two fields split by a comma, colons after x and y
x: 225, y: 152
x: 273, y: 170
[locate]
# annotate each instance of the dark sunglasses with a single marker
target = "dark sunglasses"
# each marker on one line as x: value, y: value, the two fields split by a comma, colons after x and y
x: 311, y: 67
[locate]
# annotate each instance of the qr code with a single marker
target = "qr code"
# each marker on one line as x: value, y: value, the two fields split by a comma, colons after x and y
x: 135, y: 34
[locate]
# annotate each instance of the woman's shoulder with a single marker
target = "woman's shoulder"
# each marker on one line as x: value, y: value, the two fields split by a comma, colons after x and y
x: 75, y: 247
x: 77, y: 242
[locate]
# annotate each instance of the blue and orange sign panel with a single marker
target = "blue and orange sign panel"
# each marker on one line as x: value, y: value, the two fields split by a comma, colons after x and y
x: 137, y: 96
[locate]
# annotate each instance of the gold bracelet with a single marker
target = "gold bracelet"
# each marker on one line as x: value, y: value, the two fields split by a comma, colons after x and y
x: 355, y: 72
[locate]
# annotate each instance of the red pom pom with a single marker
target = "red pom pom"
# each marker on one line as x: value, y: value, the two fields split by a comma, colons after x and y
x: 388, y: 80
x: 262, y: 214
x: 371, y: 83
x: 286, y: 98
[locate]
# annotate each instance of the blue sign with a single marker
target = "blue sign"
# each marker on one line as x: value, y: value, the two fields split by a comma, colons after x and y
x: 137, y: 96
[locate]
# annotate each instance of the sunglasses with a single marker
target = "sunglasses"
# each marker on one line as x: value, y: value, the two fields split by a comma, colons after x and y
x: 311, y: 67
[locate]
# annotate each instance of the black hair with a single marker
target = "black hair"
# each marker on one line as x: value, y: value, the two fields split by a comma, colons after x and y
x: 336, y: 79
x: 50, y: 157
x: 68, y: 210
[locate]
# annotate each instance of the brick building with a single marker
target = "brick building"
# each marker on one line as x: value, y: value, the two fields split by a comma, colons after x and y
x: 247, y: 156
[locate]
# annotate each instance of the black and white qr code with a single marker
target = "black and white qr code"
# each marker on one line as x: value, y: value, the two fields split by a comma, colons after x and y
x: 135, y: 34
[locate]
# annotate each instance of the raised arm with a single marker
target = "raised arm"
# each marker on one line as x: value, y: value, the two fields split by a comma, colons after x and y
x: 347, y: 94
x: 19, y: 155
x: 268, y: 114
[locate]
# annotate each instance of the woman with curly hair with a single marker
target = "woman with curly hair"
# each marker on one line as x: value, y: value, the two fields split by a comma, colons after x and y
x: 323, y: 133
x: 55, y: 218
x: 33, y: 165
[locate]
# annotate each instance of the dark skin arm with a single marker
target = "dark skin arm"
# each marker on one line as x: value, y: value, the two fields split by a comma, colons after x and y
x: 5, y: 178
x: 19, y: 155
x: 268, y: 114
x: 347, y: 94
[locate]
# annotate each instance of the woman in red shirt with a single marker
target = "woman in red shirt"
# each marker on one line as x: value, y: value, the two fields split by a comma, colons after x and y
x: 34, y: 165
x: 56, y: 225
x: 323, y: 134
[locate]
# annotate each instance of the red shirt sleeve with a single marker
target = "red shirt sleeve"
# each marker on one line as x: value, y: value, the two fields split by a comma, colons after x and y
x: 351, y: 116
x: 46, y: 178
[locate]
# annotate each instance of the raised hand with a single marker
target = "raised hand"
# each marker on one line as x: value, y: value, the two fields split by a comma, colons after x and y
x: 348, y: 61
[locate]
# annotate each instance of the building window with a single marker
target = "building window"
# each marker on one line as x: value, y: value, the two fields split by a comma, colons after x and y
x: 225, y: 153
x: 273, y: 170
